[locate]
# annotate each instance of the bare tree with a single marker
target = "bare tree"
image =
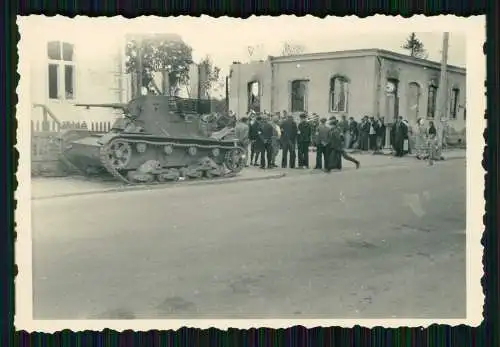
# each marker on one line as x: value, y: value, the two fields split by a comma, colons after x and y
x: 290, y: 48
x: 415, y: 47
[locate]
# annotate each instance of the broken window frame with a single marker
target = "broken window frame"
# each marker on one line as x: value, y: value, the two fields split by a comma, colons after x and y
x: 294, y: 100
x: 334, y: 104
x: 250, y: 105
x: 432, y: 101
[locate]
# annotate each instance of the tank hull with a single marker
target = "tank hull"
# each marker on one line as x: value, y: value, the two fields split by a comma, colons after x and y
x: 142, y: 158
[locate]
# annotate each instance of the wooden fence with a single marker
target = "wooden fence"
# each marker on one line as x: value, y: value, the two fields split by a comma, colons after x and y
x: 53, y: 126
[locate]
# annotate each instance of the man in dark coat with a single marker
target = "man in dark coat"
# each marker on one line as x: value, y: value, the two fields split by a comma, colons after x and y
x: 334, y: 161
x: 289, y: 132
x: 354, y: 132
x: 303, y: 141
x: 321, y: 139
x: 364, y: 133
x: 337, y: 151
x: 398, y: 135
x: 254, y: 129
x: 380, y: 130
x: 264, y: 142
x: 344, y: 129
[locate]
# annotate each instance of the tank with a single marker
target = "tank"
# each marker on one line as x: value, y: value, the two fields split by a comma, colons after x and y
x: 158, y: 139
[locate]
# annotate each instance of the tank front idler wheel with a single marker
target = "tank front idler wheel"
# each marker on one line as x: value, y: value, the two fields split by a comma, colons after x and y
x: 119, y: 154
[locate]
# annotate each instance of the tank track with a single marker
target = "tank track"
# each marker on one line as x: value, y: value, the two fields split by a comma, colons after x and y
x: 224, y: 171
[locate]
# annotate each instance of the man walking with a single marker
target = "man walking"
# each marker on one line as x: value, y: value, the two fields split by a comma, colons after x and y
x: 288, y: 141
x: 242, y: 132
x: 334, y: 147
x: 303, y: 142
x: 321, y: 139
x: 337, y: 152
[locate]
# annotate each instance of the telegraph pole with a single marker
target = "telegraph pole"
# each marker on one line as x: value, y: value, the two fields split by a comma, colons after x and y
x: 443, y: 89
x: 227, y: 94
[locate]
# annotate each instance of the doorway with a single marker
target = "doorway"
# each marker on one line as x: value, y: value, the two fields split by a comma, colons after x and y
x: 413, y: 102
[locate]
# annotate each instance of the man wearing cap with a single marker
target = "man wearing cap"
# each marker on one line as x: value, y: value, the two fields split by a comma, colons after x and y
x: 321, y: 140
x: 264, y: 141
x: 303, y: 142
x: 288, y: 141
x: 253, y: 136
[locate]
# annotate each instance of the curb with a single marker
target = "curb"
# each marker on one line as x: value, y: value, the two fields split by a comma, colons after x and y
x: 163, y: 186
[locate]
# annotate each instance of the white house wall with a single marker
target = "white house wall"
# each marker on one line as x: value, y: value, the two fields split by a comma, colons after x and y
x: 98, y: 66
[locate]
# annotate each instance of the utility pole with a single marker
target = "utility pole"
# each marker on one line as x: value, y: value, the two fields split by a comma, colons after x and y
x: 227, y: 94
x: 443, y: 89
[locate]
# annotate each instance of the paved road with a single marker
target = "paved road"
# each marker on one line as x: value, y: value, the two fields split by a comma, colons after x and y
x: 380, y: 242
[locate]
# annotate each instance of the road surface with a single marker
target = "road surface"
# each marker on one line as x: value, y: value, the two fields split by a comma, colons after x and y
x: 381, y: 242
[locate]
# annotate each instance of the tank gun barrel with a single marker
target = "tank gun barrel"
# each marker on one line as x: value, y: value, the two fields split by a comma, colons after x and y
x: 116, y: 106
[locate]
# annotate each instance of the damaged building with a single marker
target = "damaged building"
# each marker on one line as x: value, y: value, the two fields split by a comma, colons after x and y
x: 354, y: 83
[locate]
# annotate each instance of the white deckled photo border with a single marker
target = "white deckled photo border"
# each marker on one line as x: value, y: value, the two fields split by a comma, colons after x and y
x: 472, y: 27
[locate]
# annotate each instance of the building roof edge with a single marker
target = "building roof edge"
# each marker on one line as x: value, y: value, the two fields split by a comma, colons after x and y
x: 363, y: 53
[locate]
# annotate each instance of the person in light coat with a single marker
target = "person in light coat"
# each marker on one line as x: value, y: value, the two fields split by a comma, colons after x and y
x: 242, y: 132
x: 420, y: 139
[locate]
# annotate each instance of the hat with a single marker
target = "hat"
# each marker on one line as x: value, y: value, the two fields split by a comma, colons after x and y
x: 303, y: 116
x: 323, y: 120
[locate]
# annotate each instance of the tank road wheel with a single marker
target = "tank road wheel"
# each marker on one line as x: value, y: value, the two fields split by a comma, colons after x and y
x: 119, y: 154
x: 219, y: 171
x: 193, y: 171
x: 139, y: 177
x: 169, y: 175
x: 234, y: 160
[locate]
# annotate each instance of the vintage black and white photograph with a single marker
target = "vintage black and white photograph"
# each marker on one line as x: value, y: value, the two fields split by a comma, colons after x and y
x: 270, y: 168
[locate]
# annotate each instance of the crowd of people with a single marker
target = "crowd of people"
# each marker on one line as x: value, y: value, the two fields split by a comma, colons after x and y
x: 265, y: 136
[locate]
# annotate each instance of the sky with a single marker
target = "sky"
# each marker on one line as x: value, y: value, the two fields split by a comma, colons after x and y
x: 227, y: 39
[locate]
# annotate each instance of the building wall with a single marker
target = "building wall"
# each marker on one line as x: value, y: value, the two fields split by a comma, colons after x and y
x: 423, y: 76
x: 367, y: 73
x: 240, y: 76
x: 98, y: 76
x: 358, y: 70
x: 276, y: 84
